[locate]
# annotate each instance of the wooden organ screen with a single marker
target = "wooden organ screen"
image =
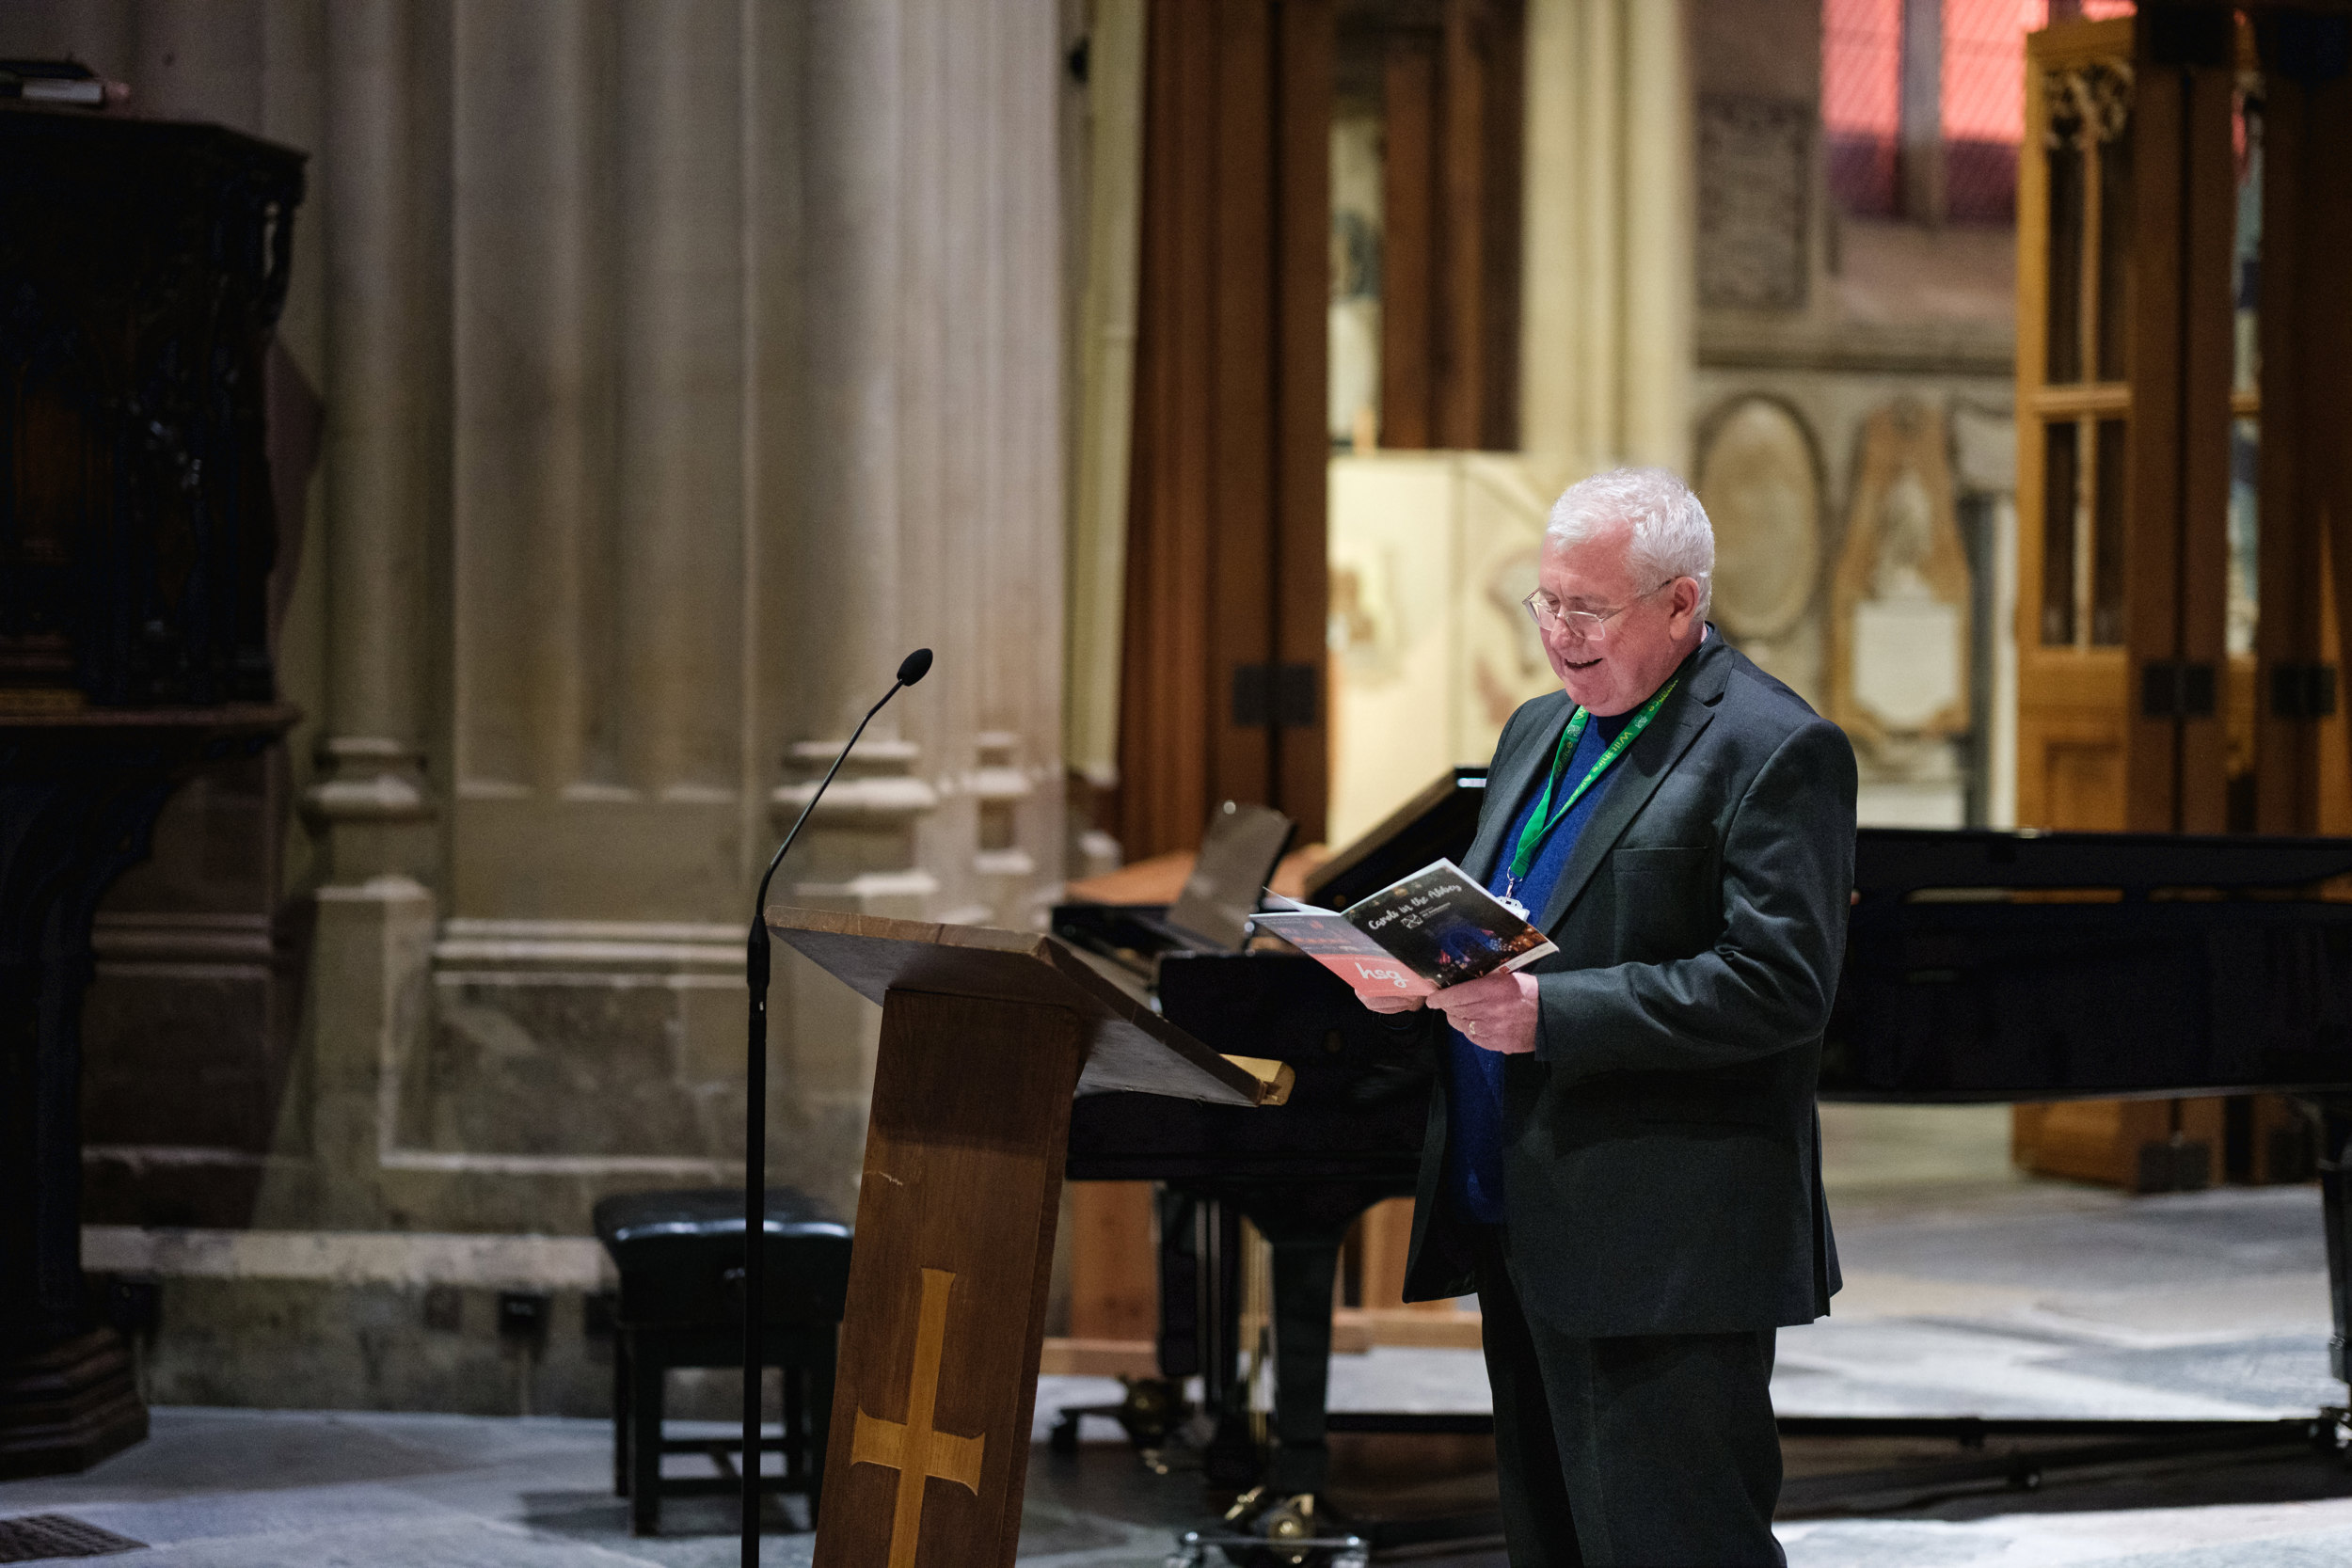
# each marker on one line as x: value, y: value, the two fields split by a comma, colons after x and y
x: 2168, y: 683
x: 2073, y: 413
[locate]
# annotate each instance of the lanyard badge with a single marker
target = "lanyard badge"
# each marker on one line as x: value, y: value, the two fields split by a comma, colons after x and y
x: 1546, y: 817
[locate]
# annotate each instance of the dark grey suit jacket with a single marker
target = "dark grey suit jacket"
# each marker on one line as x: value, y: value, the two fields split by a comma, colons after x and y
x: 1662, y: 1149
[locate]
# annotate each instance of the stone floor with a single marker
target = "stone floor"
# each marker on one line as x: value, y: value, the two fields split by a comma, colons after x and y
x: 1969, y: 1292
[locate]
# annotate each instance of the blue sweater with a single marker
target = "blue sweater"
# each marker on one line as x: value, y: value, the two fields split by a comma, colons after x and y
x: 1474, y: 1075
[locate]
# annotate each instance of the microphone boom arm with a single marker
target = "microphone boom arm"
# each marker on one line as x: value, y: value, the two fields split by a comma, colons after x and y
x: 756, y: 974
x: 759, y: 900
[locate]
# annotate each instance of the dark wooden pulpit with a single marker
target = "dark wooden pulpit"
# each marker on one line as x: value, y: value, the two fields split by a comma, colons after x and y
x: 142, y: 268
x: 986, y: 1038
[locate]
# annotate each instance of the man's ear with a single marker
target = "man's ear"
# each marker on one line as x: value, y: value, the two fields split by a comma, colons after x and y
x: 1685, y: 608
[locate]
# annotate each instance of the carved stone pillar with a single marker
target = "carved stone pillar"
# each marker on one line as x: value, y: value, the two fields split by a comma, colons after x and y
x: 534, y: 442
x: 681, y: 440
x: 1020, y: 711
x: 858, y: 854
x: 846, y: 633
x: 374, y: 558
x: 1608, y: 329
x: 370, y: 956
x: 1003, y: 792
x: 928, y: 484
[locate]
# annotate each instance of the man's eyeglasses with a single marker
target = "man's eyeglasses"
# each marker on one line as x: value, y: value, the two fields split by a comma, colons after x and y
x: 1589, y: 625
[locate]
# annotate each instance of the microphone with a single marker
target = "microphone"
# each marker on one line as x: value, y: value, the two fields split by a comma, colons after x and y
x: 755, y: 973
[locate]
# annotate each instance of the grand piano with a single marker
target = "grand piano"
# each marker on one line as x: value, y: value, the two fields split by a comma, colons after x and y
x: 1348, y: 1137
x: 1981, y: 965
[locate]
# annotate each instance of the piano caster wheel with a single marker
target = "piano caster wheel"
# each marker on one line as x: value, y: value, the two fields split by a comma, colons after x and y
x: 1281, y: 1534
x: 1153, y: 1411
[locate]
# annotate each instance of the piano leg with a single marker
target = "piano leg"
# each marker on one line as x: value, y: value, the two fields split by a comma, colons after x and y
x: 1200, y: 1324
x: 1304, y: 1269
x: 1199, y: 1295
x: 1305, y: 1231
x: 2335, y: 1170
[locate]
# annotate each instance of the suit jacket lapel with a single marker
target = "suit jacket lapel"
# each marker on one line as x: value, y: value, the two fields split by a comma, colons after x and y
x: 1510, y: 785
x: 1640, y: 771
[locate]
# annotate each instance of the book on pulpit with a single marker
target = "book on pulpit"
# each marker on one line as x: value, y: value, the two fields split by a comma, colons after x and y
x: 1420, y: 934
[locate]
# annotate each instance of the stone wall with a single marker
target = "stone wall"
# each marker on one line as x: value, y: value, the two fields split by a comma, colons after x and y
x: 683, y: 364
x: 1814, y: 329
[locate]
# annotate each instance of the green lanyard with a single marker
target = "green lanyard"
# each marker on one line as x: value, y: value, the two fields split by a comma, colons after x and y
x: 1543, y: 818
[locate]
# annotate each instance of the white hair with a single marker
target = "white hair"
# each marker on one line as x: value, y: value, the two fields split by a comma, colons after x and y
x: 1672, y: 537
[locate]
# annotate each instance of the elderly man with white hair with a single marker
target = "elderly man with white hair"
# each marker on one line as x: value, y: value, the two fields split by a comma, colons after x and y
x: 1623, y: 1157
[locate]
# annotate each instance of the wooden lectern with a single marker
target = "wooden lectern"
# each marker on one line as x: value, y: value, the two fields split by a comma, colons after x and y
x: 986, y: 1037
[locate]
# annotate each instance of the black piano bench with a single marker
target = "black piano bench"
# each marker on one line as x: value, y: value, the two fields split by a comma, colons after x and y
x: 680, y: 1257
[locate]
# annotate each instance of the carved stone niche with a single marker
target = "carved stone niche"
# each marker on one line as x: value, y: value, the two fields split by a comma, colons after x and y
x: 1898, y: 600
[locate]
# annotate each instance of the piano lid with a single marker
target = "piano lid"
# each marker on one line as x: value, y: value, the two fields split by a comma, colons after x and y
x: 1436, y: 824
x: 1912, y: 860
x: 1239, y: 849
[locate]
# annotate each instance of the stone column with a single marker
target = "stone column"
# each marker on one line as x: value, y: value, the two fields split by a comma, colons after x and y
x: 852, y: 197
x: 372, y: 997
x: 681, y: 440
x: 870, y: 423
x: 1660, y: 224
x: 1020, y: 852
x: 371, y: 951
x: 1599, y: 230
x: 1105, y: 414
x: 374, y: 557
x: 533, y: 522
x: 1551, y: 318
x: 846, y: 549
x: 946, y: 416
x: 1608, y: 333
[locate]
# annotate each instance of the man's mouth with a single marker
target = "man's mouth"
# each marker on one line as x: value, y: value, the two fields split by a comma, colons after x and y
x: 1584, y: 664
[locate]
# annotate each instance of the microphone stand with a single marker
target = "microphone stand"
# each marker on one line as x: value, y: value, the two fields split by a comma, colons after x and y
x: 755, y: 973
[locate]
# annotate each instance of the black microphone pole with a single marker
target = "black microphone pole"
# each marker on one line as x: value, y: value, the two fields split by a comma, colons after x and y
x: 911, y: 669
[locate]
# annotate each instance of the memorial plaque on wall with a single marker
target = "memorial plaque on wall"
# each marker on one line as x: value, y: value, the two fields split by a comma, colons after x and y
x: 1756, y: 172
x: 1898, y: 600
x: 1761, y: 487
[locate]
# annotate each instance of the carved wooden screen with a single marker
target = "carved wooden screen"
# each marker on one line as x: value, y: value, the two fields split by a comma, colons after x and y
x: 2073, y: 411
x: 2134, y: 409
x: 2137, y: 406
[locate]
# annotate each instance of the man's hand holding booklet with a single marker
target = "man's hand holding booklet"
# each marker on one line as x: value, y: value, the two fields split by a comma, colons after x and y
x: 1417, y: 935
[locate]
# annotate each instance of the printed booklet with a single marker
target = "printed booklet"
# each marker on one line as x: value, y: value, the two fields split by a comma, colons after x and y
x: 1426, y: 931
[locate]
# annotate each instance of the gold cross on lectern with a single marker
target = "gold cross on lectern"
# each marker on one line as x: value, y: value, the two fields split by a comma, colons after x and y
x: 916, y: 1448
